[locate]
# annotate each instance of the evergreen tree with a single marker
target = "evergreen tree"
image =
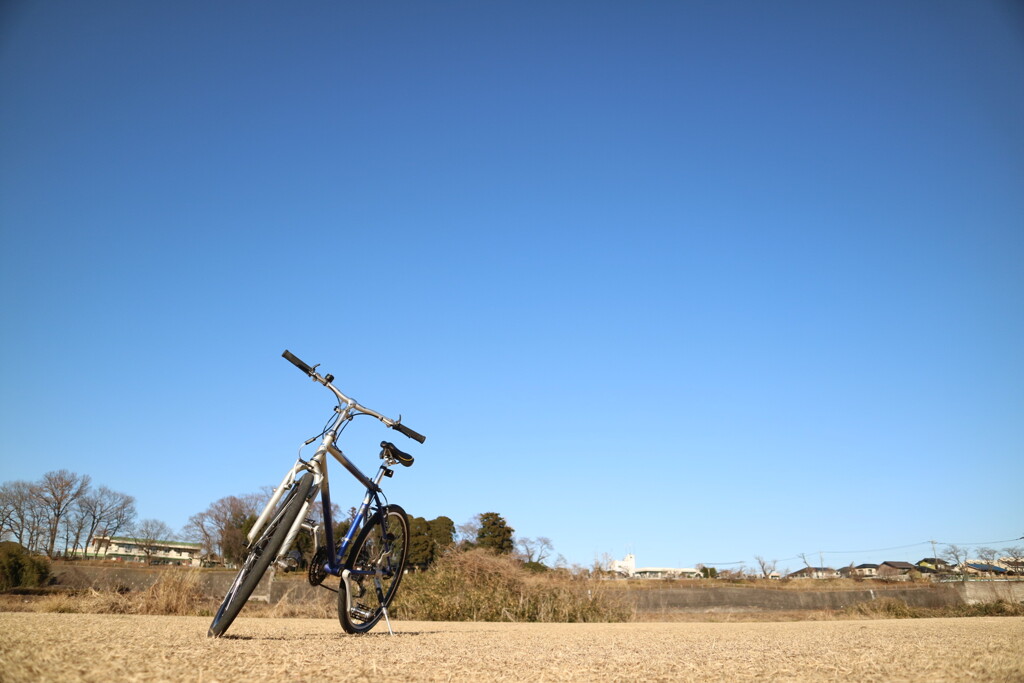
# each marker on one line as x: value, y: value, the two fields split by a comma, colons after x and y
x: 495, y: 534
x: 442, y: 535
x: 420, y: 546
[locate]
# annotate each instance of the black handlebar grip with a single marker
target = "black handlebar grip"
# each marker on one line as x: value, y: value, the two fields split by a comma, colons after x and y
x: 297, y: 363
x: 410, y: 433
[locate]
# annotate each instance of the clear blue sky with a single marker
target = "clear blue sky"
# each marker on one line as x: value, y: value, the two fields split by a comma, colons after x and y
x: 696, y: 280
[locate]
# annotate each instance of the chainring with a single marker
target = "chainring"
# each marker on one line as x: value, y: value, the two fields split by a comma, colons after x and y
x: 317, y: 572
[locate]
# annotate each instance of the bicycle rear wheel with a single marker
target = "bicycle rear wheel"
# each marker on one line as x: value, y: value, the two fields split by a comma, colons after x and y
x: 261, y: 554
x: 376, y: 564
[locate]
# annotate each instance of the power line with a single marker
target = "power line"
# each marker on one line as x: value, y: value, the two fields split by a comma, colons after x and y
x: 870, y: 550
x: 874, y: 550
x: 1005, y: 540
x: 904, y: 547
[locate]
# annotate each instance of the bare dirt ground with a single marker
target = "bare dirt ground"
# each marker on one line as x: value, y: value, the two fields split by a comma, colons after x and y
x: 85, y: 647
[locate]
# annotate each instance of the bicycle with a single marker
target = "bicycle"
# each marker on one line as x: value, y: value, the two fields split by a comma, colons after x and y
x: 370, y: 559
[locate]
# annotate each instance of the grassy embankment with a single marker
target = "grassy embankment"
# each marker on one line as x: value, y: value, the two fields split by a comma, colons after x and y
x: 462, y: 586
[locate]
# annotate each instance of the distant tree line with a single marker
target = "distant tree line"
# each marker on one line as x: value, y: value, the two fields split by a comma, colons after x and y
x: 65, y: 515
x: 223, y: 527
x: 62, y: 513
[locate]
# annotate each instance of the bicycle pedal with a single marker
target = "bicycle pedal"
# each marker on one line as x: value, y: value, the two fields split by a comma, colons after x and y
x: 360, y: 610
x: 288, y: 564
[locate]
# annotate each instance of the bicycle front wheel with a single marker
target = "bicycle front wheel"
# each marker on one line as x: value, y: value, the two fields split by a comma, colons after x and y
x: 261, y: 554
x: 375, y: 564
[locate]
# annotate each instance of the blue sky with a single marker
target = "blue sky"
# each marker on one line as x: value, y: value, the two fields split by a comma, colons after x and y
x: 696, y: 280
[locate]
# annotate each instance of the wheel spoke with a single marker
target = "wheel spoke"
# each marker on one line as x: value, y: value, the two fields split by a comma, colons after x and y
x: 375, y: 566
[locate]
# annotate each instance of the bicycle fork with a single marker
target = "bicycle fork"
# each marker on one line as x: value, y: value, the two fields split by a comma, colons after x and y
x: 300, y: 521
x: 378, y: 587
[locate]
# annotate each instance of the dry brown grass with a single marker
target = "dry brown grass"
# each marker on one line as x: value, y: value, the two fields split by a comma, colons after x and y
x: 175, y: 593
x: 75, y: 647
x: 840, y: 584
x: 481, y: 586
x: 324, y: 606
x: 892, y: 608
x: 739, y: 617
x: 471, y: 586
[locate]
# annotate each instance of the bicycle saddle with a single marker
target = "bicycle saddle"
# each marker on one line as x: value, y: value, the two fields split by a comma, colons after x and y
x: 389, y: 450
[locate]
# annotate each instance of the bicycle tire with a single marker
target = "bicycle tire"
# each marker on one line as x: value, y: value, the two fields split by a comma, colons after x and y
x: 262, y: 553
x: 369, y: 599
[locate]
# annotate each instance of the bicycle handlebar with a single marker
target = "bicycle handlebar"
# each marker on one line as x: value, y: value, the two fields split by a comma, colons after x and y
x: 326, y: 381
x: 399, y: 427
x: 297, y: 362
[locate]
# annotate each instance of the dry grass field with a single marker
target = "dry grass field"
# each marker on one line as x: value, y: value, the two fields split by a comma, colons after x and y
x: 89, y: 647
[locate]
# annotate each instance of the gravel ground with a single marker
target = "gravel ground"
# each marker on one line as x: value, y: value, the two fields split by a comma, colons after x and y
x: 85, y: 647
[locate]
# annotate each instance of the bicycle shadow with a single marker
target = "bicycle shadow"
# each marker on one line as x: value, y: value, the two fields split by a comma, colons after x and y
x: 315, y: 635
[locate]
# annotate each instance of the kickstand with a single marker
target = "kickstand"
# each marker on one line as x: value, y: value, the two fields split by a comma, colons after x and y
x: 380, y: 598
x: 387, y: 619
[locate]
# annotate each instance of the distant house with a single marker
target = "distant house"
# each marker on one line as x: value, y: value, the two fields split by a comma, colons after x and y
x: 627, y: 567
x: 161, y: 552
x: 893, y: 568
x: 935, y: 564
x: 815, y: 573
x: 861, y: 571
x: 986, y: 569
x: 1014, y: 566
x: 666, y: 573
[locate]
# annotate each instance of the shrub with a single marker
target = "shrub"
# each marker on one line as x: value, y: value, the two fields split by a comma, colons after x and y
x: 478, y: 585
x: 883, y: 608
x: 176, y: 592
x: 19, y: 568
x: 893, y: 608
x: 90, y: 601
x: 999, y: 608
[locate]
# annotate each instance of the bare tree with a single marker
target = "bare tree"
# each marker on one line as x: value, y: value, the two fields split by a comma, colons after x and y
x: 58, y: 492
x: 956, y: 556
x: 738, y: 572
x: 202, y: 528
x: 1014, y: 556
x: 6, y: 511
x: 223, y: 526
x: 534, y: 549
x: 466, y: 533
x: 150, y: 535
x: 767, y: 566
x: 74, y: 525
x: 106, y: 512
x: 26, y: 516
x: 987, y: 555
x: 122, y: 517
